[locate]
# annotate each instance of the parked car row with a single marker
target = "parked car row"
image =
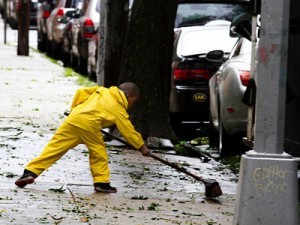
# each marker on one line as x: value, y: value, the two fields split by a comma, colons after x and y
x: 12, y: 7
x: 65, y: 30
x: 210, y: 69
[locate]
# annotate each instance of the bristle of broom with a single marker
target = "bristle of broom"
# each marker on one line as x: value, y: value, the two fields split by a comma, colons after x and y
x: 213, y: 190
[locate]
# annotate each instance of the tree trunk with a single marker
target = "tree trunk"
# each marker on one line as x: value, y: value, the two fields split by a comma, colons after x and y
x: 23, y: 13
x: 147, y: 62
x: 113, y: 27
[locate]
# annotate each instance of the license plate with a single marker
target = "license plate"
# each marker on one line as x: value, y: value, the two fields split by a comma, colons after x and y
x: 199, y: 97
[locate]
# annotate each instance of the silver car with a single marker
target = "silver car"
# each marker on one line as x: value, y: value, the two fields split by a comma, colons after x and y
x: 228, y: 115
x: 55, y: 28
x: 84, y: 29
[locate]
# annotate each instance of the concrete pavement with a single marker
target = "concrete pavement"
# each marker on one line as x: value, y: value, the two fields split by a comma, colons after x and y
x: 34, y: 93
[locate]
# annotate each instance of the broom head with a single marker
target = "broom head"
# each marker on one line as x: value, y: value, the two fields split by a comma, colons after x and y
x: 212, y: 189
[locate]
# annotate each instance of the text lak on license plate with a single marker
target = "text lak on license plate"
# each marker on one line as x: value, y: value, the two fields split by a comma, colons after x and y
x: 199, y: 97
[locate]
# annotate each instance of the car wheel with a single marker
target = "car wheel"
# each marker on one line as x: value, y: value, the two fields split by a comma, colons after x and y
x: 73, y: 61
x: 82, y: 65
x: 224, y: 142
x: 91, y: 74
x: 49, y: 48
x: 230, y: 144
x: 14, y: 24
x: 213, y: 135
x: 55, y: 50
x: 42, y: 45
x: 65, y: 57
x: 175, y: 121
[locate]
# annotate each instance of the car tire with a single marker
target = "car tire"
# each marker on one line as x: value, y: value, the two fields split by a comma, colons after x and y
x: 82, y: 65
x: 14, y: 24
x: 230, y: 145
x: 213, y: 135
x: 42, y: 44
x: 65, y: 57
x: 91, y: 74
x: 55, y: 50
x: 175, y: 122
x: 49, y: 48
x: 225, y: 143
x: 73, y: 62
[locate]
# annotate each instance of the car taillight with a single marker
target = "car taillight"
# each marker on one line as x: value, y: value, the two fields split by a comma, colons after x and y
x: 46, y: 14
x: 18, y: 5
x: 244, y: 76
x: 88, y: 28
x: 60, y: 12
x: 180, y: 74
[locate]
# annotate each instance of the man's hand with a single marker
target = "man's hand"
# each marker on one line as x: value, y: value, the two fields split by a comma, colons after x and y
x: 144, y: 150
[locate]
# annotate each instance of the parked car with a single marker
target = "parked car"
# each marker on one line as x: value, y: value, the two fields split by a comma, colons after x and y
x: 12, y: 13
x: 93, y: 56
x: 69, y: 20
x: 189, y: 98
x: 44, y: 10
x: 93, y: 46
x: 2, y: 8
x: 83, y: 30
x: 191, y: 70
x: 227, y: 86
x: 55, y: 28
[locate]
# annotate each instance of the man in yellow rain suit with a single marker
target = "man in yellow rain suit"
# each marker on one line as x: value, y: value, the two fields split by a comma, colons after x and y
x: 92, y: 109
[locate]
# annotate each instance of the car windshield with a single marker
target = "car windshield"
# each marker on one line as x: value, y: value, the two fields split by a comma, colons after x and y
x: 196, y: 42
x: 191, y: 14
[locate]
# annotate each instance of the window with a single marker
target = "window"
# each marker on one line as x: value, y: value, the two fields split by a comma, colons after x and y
x: 191, y: 14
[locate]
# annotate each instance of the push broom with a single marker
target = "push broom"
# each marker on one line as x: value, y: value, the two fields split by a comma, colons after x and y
x: 212, y: 187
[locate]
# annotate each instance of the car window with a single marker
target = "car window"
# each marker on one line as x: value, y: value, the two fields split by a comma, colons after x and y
x: 190, y: 14
x: 60, y: 3
x: 98, y: 7
x: 76, y: 4
x: 236, y: 49
x: 242, y: 47
x: 68, y: 3
x: 246, y: 47
x: 202, y: 41
x: 85, y: 5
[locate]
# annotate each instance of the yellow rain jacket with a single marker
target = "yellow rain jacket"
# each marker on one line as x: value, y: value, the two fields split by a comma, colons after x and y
x: 92, y: 109
x: 97, y: 107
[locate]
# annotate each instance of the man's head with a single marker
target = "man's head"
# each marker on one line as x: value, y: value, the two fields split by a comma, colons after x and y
x: 131, y: 91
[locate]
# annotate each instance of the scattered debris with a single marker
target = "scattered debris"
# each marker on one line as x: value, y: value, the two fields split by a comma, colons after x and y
x: 58, y: 190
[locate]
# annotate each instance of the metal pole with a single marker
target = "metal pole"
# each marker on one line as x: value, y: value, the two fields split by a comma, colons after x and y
x: 5, y: 19
x: 272, y: 70
x: 268, y: 176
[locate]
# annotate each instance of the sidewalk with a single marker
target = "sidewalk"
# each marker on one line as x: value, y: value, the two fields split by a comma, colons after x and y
x: 34, y: 94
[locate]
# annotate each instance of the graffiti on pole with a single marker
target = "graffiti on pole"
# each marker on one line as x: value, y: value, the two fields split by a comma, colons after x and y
x: 270, y: 179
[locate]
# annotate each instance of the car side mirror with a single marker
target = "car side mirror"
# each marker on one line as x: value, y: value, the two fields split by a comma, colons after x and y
x: 73, y: 14
x: 241, y: 26
x: 70, y: 14
x: 215, y: 56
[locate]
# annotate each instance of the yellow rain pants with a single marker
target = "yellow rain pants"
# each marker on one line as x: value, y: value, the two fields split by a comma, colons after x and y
x: 69, y: 136
x: 92, y: 109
